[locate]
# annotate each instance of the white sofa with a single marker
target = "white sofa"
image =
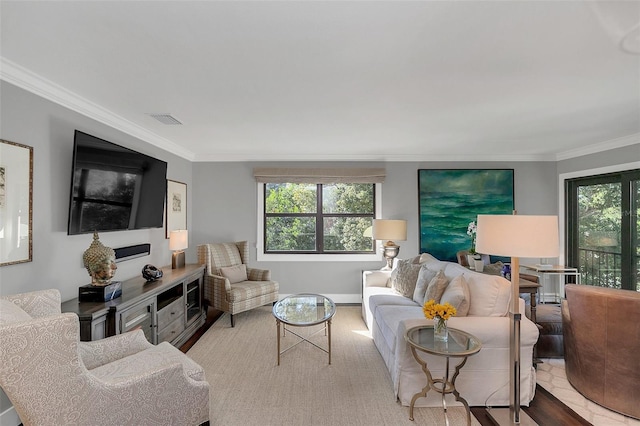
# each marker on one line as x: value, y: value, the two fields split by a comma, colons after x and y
x: 484, y: 379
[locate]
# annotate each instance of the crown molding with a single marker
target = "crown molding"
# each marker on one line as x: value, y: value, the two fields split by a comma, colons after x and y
x: 25, y: 79
x: 600, y: 147
x: 422, y: 157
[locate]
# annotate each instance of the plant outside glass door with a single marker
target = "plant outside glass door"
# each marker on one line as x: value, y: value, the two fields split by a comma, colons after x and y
x: 603, y: 229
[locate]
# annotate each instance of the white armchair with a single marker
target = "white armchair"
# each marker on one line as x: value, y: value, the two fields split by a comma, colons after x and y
x: 53, y: 378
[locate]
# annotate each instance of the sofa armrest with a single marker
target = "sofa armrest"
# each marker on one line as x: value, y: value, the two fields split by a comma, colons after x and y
x: 375, y: 278
x: 100, y: 352
x: 41, y: 303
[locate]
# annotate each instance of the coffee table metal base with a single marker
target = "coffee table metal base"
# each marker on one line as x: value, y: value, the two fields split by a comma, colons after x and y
x: 282, y: 329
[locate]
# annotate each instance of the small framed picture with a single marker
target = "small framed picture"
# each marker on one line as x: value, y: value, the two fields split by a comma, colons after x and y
x: 176, y: 206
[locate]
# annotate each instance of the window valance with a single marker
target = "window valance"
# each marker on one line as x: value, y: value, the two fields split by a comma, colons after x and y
x: 319, y: 175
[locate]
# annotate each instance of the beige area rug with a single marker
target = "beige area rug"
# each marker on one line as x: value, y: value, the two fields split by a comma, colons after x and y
x: 249, y: 388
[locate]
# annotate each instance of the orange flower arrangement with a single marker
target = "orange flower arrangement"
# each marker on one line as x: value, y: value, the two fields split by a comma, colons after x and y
x: 432, y: 310
x: 438, y: 312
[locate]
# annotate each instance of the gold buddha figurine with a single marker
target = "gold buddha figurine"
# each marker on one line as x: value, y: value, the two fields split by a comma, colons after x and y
x: 100, y: 262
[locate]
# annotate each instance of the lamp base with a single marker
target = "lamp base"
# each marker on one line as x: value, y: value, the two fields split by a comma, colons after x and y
x: 504, y: 416
x: 390, y: 253
x: 177, y: 260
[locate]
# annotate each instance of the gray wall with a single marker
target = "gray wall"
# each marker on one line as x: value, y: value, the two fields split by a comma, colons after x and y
x: 57, y: 258
x: 625, y: 155
x: 225, y: 207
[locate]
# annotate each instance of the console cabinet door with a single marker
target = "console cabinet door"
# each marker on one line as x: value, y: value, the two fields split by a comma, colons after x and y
x: 140, y: 316
x: 193, y: 291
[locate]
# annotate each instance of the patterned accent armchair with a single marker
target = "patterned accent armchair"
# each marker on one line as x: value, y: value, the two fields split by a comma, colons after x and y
x: 54, y: 379
x: 227, y: 287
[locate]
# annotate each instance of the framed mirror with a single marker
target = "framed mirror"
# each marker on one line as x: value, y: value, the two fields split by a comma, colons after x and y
x: 16, y: 203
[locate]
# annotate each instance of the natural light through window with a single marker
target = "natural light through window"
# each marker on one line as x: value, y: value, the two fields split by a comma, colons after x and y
x: 317, y: 222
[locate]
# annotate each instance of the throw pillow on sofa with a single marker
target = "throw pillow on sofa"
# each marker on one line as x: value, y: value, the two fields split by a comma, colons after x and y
x: 404, y: 277
x: 457, y: 294
x: 424, y: 278
x: 436, y: 287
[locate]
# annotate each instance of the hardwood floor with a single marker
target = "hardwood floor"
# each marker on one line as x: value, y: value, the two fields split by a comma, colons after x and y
x: 545, y: 409
x: 212, y: 316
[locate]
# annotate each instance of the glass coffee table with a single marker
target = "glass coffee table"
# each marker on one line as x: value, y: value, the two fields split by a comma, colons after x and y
x: 459, y: 345
x: 304, y: 310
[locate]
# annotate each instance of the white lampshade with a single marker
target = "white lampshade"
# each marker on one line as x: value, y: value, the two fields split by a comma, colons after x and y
x: 389, y: 229
x: 518, y: 235
x: 178, y: 240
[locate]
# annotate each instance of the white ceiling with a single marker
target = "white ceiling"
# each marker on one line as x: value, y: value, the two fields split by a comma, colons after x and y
x: 337, y: 80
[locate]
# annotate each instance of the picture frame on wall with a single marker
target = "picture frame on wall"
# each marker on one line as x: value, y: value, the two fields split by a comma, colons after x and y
x: 449, y: 199
x: 176, y: 206
x: 16, y: 203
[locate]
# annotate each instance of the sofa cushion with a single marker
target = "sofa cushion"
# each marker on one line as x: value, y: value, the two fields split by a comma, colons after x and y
x: 436, y: 287
x: 10, y: 313
x: 388, y: 319
x: 404, y: 277
x: 389, y: 297
x: 457, y: 294
x: 424, y: 278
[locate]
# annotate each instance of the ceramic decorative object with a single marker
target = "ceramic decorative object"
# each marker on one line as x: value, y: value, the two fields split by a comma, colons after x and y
x: 100, y: 262
x: 479, y: 265
x: 471, y: 261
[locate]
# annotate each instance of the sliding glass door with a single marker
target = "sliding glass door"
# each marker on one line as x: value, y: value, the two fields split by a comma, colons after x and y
x: 602, y: 228
x: 635, y: 235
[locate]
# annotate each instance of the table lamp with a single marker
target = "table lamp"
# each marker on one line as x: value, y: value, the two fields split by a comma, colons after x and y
x: 516, y: 236
x: 389, y: 230
x: 178, y: 242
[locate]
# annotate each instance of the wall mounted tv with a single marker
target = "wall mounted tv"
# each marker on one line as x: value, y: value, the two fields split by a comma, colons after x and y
x: 114, y: 188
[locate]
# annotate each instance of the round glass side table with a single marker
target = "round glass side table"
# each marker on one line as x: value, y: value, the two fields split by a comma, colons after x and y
x: 459, y: 345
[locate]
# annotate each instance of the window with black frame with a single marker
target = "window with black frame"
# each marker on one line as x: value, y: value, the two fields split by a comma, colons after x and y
x: 319, y: 218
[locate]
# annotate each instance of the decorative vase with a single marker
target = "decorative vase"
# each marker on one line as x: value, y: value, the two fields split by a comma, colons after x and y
x: 479, y: 264
x: 440, y: 330
x: 471, y: 261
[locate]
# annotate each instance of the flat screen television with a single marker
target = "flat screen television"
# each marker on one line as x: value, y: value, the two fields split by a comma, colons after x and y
x: 114, y: 188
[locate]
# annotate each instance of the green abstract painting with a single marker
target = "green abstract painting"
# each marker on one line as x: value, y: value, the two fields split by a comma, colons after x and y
x: 450, y: 199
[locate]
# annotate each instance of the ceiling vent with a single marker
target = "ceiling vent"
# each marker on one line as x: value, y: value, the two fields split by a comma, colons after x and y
x: 166, y: 118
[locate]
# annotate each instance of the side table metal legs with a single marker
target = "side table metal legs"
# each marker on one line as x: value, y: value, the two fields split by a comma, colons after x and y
x: 443, y: 386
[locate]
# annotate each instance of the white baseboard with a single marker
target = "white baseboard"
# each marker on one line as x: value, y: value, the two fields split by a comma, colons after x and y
x: 337, y: 298
x: 9, y: 417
